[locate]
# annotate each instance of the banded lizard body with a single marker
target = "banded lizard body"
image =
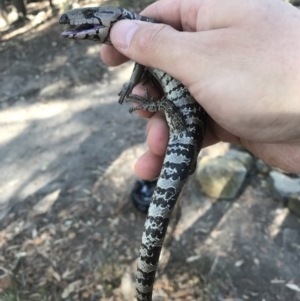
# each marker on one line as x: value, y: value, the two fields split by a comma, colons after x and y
x: 186, y: 120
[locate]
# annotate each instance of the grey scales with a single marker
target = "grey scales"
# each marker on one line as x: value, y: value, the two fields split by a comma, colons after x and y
x: 186, y: 120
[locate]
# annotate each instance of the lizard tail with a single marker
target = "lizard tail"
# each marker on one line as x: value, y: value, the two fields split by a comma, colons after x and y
x: 175, y: 171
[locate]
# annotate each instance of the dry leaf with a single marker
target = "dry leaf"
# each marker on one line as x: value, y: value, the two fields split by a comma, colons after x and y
x: 5, y: 279
x: 182, y: 293
x: 293, y: 287
x: 45, y: 203
x: 70, y: 289
x: 66, y: 274
x: 38, y: 241
x: 51, y: 273
x: 85, y: 294
x: 35, y: 296
x: 192, y: 258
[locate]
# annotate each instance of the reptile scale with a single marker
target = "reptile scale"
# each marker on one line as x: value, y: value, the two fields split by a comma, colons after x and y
x: 186, y: 120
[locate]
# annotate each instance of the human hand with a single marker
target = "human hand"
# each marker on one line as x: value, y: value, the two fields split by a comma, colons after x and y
x: 241, y: 62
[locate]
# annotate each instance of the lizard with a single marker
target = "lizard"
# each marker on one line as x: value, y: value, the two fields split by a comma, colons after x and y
x: 186, y: 120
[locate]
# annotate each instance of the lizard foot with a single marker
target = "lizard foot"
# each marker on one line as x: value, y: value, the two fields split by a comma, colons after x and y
x: 173, y: 115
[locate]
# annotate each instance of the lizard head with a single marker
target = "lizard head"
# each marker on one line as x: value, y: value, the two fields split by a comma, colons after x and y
x: 91, y: 23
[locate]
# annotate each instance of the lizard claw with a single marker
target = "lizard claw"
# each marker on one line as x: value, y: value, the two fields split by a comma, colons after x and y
x: 127, y: 88
x: 131, y: 110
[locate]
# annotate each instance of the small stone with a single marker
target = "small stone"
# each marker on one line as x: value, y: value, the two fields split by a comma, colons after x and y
x: 266, y: 183
x: 39, y: 18
x: 243, y: 157
x: 239, y: 263
x: 262, y: 167
x: 294, y: 203
x: 71, y: 235
x: 53, y: 89
x: 68, y: 222
x: 221, y: 177
x: 256, y: 261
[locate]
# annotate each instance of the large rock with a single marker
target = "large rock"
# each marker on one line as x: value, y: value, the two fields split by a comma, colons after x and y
x: 243, y: 157
x: 221, y: 177
x: 294, y: 203
x: 285, y: 185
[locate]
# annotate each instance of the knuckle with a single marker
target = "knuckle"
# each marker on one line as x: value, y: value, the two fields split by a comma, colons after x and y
x: 150, y: 40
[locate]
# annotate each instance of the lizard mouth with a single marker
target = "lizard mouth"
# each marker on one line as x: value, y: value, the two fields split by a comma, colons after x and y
x: 83, y: 29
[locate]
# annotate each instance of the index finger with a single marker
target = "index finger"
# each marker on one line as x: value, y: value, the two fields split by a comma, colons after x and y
x: 167, y: 11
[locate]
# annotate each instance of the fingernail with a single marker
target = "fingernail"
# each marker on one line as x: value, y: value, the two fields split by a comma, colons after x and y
x: 123, y: 32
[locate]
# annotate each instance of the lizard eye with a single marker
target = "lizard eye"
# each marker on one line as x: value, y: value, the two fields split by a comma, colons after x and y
x: 89, y: 14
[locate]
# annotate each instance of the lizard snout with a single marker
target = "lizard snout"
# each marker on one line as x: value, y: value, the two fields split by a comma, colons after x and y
x: 64, y: 19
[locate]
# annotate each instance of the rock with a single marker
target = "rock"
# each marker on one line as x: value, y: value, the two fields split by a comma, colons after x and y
x: 285, y: 185
x: 39, y: 18
x: 266, y: 183
x: 262, y: 167
x: 13, y: 15
x: 239, y: 147
x: 221, y: 177
x: 54, y: 88
x: 294, y: 203
x: 243, y: 157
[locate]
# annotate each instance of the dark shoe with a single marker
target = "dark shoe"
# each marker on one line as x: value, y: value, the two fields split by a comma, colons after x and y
x: 142, y: 193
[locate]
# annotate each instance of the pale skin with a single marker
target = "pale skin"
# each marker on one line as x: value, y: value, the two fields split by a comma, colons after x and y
x: 239, y: 59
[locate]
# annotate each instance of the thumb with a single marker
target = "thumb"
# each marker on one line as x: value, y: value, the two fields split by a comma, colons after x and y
x: 154, y: 45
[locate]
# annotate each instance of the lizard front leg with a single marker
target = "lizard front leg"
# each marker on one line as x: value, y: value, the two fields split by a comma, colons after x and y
x: 174, y: 118
x: 136, y: 77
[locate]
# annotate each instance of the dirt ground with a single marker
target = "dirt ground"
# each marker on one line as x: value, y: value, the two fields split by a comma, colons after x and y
x: 68, y: 229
